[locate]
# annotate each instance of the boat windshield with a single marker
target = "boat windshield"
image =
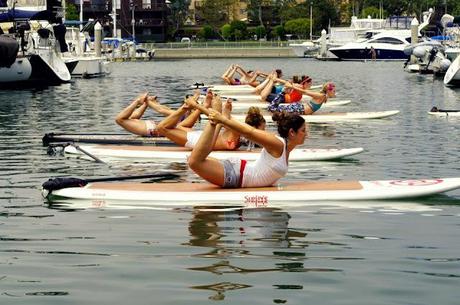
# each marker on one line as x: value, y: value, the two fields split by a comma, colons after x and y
x: 387, y: 40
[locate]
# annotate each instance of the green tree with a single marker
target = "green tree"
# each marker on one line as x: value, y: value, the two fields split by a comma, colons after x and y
x: 179, y: 10
x: 214, y: 12
x: 372, y: 11
x: 206, y: 32
x: 254, y: 10
x: 299, y: 27
x: 71, y: 12
x: 226, y: 31
x: 279, y: 31
x: 239, y: 29
x: 260, y: 31
x: 238, y: 35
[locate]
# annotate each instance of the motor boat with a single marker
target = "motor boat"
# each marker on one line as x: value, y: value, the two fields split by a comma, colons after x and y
x: 29, y: 44
x: 81, y: 59
x: 304, y: 49
x: 430, y: 58
x: 387, y: 45
x: 30, y: 56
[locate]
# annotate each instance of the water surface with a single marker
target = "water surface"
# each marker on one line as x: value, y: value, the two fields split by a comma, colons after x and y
x: 343, y: 253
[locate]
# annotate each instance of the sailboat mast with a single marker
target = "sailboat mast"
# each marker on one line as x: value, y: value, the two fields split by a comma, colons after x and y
x: 81, y: 15
x: 114, y: 16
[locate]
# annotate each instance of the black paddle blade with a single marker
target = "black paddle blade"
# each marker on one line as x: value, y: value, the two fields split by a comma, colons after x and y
x: 60, y: 183
x: 64, y: 182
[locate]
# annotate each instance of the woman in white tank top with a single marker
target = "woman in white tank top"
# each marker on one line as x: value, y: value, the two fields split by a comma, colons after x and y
x: 272, y: 163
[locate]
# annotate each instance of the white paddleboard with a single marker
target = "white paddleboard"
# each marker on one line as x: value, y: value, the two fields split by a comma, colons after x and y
x: 331, y: 116
x: 182, y: 153
x: 294, y: 194
x: 237, y: 89
x: 253, y: 98
x: 445, y: 113
x: 244, y: 106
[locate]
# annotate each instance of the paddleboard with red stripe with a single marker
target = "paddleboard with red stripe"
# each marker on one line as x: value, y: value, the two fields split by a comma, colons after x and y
x: 292, y: 194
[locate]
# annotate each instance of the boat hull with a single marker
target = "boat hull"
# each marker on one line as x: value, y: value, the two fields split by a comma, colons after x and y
x: 452, y: 76
x: 361, y: 54
x: 20, y: 70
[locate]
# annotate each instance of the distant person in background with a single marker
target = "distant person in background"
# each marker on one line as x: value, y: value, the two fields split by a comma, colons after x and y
x: 246, y: 77
x: 373, y: 54
x: 289, y: 94
x: 308, y: 107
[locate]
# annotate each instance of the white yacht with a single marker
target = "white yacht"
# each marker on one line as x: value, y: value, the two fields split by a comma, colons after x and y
x: 80, y: 50
x: 32, y: 56
x: 387, y: 45
x: 359, y: 29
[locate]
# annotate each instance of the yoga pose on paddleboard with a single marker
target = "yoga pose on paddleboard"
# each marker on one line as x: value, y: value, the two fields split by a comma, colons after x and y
x: 130, y: 117
x: 293, y: 96
x: 185, y: 136
x: 269, y: 167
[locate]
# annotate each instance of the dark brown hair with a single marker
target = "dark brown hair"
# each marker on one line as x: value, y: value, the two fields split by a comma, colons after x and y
x: 287, y: 121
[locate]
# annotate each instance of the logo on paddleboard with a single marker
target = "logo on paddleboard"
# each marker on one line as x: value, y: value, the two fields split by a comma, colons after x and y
x: 416, y: 182
x: 256, y: 200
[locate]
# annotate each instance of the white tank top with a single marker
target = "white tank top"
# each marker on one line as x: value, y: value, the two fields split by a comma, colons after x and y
x: 266, y: 169
x: 192, y: 138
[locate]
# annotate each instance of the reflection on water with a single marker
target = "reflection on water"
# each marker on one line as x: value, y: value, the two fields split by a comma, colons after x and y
x: 244, y: 227
x: 243, y: 233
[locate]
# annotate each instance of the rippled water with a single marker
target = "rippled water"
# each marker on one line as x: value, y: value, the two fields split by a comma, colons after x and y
x: 345, y: 253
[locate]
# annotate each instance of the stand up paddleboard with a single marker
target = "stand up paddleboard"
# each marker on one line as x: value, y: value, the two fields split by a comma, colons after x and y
x: 244, y: 105
x: 445, y: 113
x: 181, y: 153
x: 235, y: 89
x: 295, y: 194
x: 331, y: 116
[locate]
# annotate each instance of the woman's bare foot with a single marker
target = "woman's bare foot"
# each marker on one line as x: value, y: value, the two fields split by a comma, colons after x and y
x: 216, y: 103
x: 190, y: 103
x: 227, y: 108
x: 152, y: 101
x: 208, y: 99
x: 141, y: 99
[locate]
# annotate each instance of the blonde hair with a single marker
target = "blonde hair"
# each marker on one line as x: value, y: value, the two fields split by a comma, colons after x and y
x: 327, y: 87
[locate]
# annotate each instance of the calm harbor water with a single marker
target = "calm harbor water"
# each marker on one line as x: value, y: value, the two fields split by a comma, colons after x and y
x: 343, y: 253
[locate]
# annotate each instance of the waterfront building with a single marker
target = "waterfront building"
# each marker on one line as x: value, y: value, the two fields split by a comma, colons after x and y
x: 150, y: 23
